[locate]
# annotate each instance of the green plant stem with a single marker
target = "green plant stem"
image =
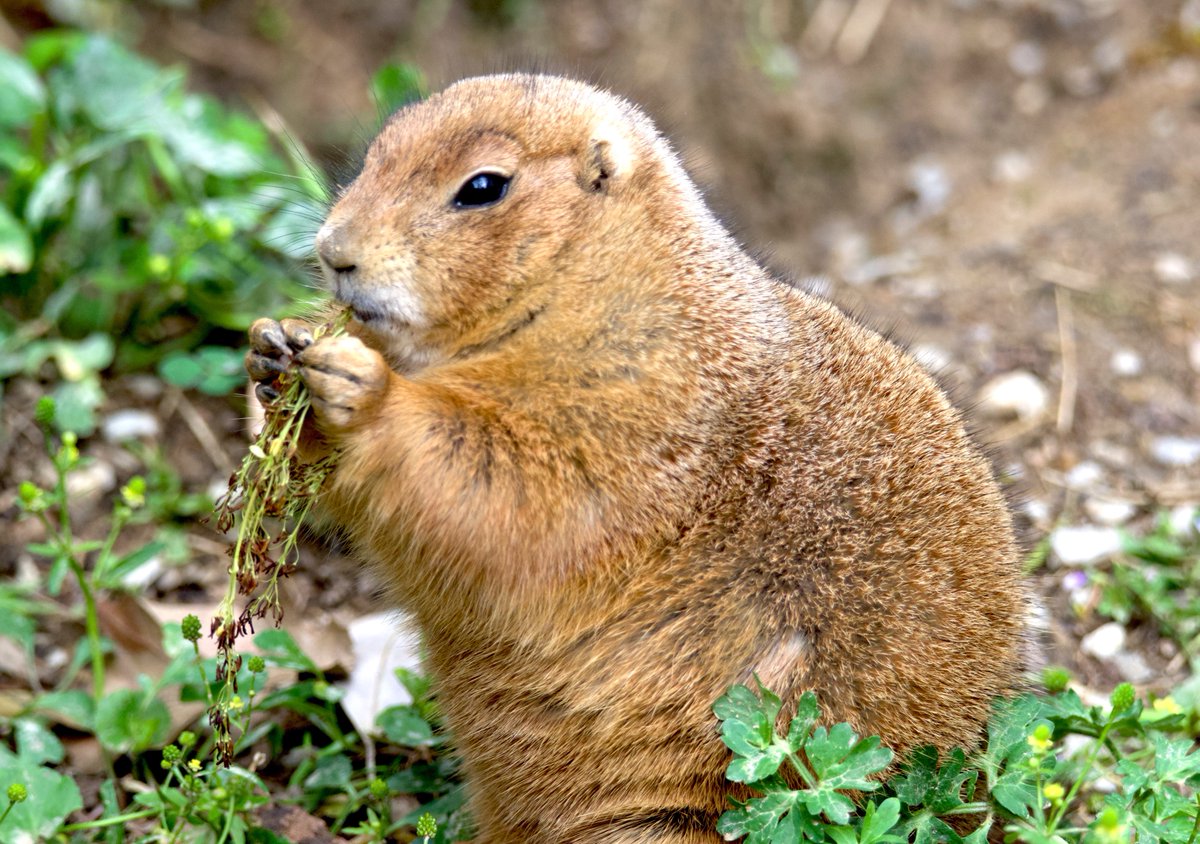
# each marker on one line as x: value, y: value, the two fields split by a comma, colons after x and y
x: 1089, y: 762
x: 92, y: 625
x: 103, y: 558
x: 967, y: 809
x: 7, y: 809
x: 1195, y: 824
x: 229, y: 815
x: 103, y: 822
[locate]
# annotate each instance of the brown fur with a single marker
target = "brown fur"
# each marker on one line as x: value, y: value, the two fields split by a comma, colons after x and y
x: 612, y: 467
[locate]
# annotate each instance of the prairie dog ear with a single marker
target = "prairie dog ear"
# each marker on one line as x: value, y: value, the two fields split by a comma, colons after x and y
x: 607, y: 160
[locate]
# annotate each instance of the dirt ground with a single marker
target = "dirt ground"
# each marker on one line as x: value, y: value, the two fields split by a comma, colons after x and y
x: 1012, y: 187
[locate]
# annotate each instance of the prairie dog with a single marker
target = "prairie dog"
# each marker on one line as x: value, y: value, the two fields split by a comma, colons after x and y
x: 612, y: 467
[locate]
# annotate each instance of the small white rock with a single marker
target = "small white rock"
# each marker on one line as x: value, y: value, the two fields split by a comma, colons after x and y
x: 931, y: 184
x: 934, y: 358
x: 130, y: 424
x: 1176, y: 452
x: 1194, y: 353
x: 1084, y: 475
x: 1018, y: 393
x: 1173, y: 268
x: 1084, y: 544
x: 1109, y: 56
x: 94, y: 479
x: 1027, y: 58
x: 145, y: 575
x: 382, y: 642
x: 1037, y: 511
x: 1105, y: 642
x: 1108, y: 511
x: 1184, y: 520
x: 1132, y: 666
x: 1011, y: 167
x: 1126, y: 363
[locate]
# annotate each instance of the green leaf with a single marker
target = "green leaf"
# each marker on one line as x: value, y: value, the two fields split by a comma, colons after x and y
x: 196, y: 136
x: 878, y: 820
x: 1011, y: 723
x: 917, y: 776
x: 131, y: 721
x: 755, y: 766
x: 119, y: 91
x: 75, y: 406
x: 807, y: 713
x: 51, y: 798
x: 73, y: 707
x: 841, y: 760
x: 113, y: 576
x: 76, y: 359
x: 396, y: 85
x: 331, y: 772
x: 16, y: 246
x: 1175, y: 760
x: 402, y: 725
x: 50, y: 193
x: 36, y: 743
x: 279, y: 648
x: 1016, y: 793
x: 757, y: 818
x: 181, y: 369
x: 22, y: 94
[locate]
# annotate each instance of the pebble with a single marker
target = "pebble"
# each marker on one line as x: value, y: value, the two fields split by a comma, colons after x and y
x: 1105, y: 642
x: 1126, y: 363
x: 1173, y: 268
x: 1184, y: 520
x: 1011, y: 167
x: 1084, y: 544
x: 1189, y: 17
x: 145, y: 387
x: 1027, y: 58
x: 130, y: 424
x: 1081, y: 80
x: 1176, y: 452
x: 1037, y: 511
x: 1132, y: 666
x: 1031, y: 97
x: 91, y: 480
x: 145, y: 575
x: 935, y: 359
x: 1018, y: 393
x: 1109, y: 512
x: 381, y: 643
x: 931, y: 184
x: 1084, y: 475
x: 1109, y: 56
x: 1194, y: 353
x: 884, y: 266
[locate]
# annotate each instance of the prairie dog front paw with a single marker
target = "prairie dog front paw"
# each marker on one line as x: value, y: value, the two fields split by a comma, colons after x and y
x: 346, y: 380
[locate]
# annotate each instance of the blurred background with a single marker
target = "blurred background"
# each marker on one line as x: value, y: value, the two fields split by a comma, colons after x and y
x: 1009, y: 187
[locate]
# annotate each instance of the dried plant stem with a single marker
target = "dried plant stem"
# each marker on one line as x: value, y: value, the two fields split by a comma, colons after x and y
x: 273, y: 486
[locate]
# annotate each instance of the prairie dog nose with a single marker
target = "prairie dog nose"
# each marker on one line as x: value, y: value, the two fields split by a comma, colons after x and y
x: 335, y: 249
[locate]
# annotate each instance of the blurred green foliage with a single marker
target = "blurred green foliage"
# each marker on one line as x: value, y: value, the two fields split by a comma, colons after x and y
x: 132, y: 209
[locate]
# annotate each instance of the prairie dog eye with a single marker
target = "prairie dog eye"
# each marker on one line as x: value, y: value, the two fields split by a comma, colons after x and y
x: 482, y: 189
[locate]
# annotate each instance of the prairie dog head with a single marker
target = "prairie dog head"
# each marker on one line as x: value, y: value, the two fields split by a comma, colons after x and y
x: 471, y: 202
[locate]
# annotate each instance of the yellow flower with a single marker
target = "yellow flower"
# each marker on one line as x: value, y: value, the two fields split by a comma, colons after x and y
x: 1040, y: 739
x: 1166, y: 706
x: 1053, y: 792
x: 194, y: 764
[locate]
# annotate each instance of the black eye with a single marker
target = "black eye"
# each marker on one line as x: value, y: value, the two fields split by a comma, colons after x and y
x: 482, y: 189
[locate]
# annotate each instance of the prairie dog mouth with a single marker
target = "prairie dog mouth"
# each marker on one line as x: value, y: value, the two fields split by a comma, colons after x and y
x: 393, y: 307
